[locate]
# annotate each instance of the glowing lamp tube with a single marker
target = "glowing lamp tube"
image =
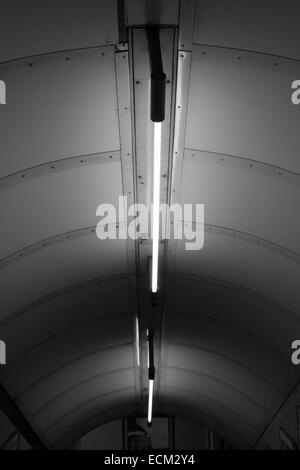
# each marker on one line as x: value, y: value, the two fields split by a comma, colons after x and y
x: 156, y: 204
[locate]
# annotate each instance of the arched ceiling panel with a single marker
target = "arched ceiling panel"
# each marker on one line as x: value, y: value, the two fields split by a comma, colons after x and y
x: 79, y: 303
x: 59, y: 108
x: 265, y: 210
x: 248, y: 311
x: 222, y: 392
x: 250, y: 265
x: 173, y: 401
x: 68, y: 262
x: 211, y: 363
x: 94, y: 388
x: 233, y: 311
x: 53, y: 205
x: 65, y: 378
x: 59, y: 350
x: 243, y: 107
x: 88, y: 416
x: 61, y: 147
x: 249, y: 24
x: 218, y: 411
x: 32, y: 27
x: 233, y: 344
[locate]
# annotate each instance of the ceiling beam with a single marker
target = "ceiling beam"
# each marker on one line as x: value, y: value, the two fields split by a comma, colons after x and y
x: 10, y: 409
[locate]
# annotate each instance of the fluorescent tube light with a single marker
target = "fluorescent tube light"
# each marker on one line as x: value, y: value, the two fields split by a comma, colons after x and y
x: 150, y: 401
x: 148, y: 349
x: 137, y: 340
x: 156, y: 205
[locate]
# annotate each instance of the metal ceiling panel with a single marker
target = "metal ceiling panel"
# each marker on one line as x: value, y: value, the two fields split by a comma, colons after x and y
x: 243, y: 107
x: 245, y: 200
x: 34, y: 27
x: 49, y: 206
x: 210, y: 363
x: 238, y: 307
x: 90, y: 414
x: 75, y: 372
x: 59, y: 108
x: 63, y: 264
x: 185, y: 409
x: 268, y: 27
x: 95, y: 387
x: 63, y: 309
x: 219, y: 391
x: 59, y: 350
x: 222, y: 338
x: 249, y: 265
x: 217, y: 411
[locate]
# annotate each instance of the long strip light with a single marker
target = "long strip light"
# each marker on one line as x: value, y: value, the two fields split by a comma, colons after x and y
x: 158, y: 98
x: 151, y: 374
x: 137, y: 340
x: 150, y: 401
x: 156, y: 205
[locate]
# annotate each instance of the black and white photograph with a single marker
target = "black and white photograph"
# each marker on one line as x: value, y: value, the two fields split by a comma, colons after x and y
x: 149, y: 228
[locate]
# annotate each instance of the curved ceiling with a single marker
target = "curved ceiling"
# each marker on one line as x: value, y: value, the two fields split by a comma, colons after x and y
x: 68, y: 301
